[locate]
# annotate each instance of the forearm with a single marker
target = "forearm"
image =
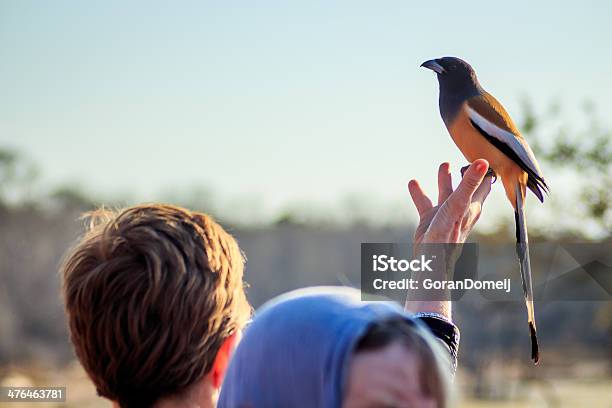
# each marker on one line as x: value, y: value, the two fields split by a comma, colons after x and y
x: 422, y: 299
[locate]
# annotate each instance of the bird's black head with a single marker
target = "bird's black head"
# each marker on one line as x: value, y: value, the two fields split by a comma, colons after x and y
x: 453, y: 73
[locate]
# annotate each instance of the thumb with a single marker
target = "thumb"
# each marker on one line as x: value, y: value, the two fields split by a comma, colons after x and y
x: 471, y: 180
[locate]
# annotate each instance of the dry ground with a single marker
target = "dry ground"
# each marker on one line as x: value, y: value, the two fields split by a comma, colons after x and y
x: 574, y: 393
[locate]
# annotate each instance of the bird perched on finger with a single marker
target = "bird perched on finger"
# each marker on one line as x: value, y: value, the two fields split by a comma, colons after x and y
x: 481, y: 128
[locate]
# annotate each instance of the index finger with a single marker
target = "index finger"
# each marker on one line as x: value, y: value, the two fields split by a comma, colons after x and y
x: 483, y: 190
x: 472, y: 178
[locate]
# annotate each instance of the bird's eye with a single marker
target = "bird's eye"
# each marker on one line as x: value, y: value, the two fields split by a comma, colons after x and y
x: 453, y: 67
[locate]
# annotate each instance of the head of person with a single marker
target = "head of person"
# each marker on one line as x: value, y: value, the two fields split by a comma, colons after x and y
x: 155, y: 301
x: 323, y: 347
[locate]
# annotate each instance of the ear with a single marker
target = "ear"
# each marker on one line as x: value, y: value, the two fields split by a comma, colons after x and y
x: 222, y: 360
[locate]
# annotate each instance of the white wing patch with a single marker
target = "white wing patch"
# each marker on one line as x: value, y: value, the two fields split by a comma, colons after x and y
x: 518, y: 145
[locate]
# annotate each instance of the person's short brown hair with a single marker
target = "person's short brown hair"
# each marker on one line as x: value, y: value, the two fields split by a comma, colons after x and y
x: 151, y: 293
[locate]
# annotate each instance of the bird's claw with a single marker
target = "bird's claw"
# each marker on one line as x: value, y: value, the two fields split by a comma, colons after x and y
x: 490, y: 173
x: 493, y: 175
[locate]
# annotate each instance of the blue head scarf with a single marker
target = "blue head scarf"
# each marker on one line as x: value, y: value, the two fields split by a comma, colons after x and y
x: 296, y: 351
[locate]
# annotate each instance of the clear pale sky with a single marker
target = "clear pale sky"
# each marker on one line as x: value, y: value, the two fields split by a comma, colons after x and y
x: 287, y: 101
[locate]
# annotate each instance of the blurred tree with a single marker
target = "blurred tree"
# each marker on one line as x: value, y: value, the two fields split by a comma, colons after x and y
x: 17, y: 176
x: 587, y: 151
x: 194, y: 197
x: 287, y: 217
x: 71, y: 197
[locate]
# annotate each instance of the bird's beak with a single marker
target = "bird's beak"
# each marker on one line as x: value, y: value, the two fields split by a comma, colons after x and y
x: 434, y: 65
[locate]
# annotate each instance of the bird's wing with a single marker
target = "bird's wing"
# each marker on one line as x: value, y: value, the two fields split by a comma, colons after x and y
x: 491, y: 119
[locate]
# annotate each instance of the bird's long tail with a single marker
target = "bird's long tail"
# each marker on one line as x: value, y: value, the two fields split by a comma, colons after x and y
x: 522, y: 250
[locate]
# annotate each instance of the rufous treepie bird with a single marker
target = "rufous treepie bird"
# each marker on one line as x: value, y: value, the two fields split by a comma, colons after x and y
x: 481, y: 128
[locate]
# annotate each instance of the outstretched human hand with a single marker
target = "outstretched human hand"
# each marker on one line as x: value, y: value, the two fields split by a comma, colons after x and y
x: 456, y: 213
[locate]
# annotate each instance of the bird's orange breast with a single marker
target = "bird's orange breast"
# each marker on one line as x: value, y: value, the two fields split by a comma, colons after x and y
x: 474, y: 146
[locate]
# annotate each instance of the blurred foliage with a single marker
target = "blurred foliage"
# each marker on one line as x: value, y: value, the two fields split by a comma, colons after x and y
x: 17, y: 177
x: 67, y: 196
x: 586, y: 151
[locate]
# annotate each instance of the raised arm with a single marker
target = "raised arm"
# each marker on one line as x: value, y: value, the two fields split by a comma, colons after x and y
x: 450, y: 221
